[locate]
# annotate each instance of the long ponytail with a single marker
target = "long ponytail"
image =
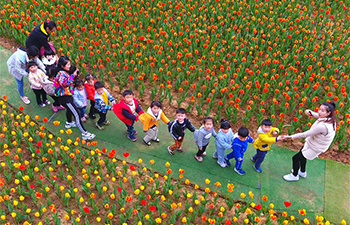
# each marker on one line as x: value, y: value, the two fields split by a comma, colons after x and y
x: 331, y: 117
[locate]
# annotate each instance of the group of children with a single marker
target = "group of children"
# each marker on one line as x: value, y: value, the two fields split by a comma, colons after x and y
x: 224, y: 139
x: 129, y: 111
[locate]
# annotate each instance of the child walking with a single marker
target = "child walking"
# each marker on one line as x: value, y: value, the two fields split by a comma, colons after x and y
x: 202, y: 137
x: 239, y: 147
x: 90, y: 89
x: 36, y: 78
x: 223, y: 141
x: 80, y: 99
x: 150, y: 122
x: 126, y: 111
x: 266, y: 135
x: 102, y: 100
x: 177, y: 130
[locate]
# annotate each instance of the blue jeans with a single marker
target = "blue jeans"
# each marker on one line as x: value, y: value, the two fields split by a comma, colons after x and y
x: 259, y: 157
x: 130, y: 128
x: 82, y: 111
x: 20, y: 85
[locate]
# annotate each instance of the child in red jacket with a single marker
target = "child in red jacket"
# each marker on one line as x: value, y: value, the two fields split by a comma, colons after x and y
x: 90, y: 90
x: 126, y: 111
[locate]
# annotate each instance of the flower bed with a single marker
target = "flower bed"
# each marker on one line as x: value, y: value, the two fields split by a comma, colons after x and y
x: 46, y: 179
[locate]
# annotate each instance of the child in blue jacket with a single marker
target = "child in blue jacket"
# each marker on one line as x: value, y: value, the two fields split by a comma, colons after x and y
x: 239, y: 147
x: 102, y: 100
x: 223, y: 141
x: 80, y: 98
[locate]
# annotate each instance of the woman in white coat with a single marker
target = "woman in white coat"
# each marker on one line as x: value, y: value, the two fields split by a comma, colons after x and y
x: 318, y: 139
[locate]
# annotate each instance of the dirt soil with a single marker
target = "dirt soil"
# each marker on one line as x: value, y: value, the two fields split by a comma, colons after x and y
x: 333, y: 153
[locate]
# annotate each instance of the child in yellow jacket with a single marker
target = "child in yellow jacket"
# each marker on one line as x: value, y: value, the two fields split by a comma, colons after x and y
x: 266, y: 135
x: 150, y: 121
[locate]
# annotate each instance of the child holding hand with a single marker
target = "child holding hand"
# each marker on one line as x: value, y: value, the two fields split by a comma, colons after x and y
x: 266, y: 135
x: 177, y: 130
x: 102, y: 100
x: 150, y: 121
x: 239, y: 147
x: 126, y: 111
x: 90, y: 90
x: 202, y: 137
x: 223, y: 141
x: 80, y: 99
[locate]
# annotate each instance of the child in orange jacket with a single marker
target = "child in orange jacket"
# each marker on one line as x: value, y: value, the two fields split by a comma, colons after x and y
x: 150, y: 121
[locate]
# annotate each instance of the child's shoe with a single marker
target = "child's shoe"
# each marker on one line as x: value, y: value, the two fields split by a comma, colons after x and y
x: 252, y: 159
x: 70, y: 125
x: 55, y: 108
x: 99, y: 127
x: 88, y: 136
x: 171, y: 152
x: 227, y: 161
x: 134, y: 132
x: 92, y: 116
x: 239, y: 171
x: 132, y: 137
x: 147, y: 143
x: 86, y: 116
x: 47, y: 102
x: 25, y: 100
x: 223, y: 164
x: 291, y: 177
x: 257, y: 169
x: 198, y: 158
x: 83, y: 119
x: 180, y: 149
x: 106, y: 123
x: 215, y: 157
x: 156, y: 140
x: 42, y: 105
x: 204, y: 154
x: 301, y: 174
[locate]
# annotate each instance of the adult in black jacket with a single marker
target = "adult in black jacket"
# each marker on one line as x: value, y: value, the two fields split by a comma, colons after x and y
x: 40, y: 35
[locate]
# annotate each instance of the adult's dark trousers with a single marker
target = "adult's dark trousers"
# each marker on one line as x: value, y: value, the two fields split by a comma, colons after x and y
x: 299, y: 162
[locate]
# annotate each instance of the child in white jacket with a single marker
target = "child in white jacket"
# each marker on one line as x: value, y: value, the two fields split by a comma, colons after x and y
x: 36, y: 78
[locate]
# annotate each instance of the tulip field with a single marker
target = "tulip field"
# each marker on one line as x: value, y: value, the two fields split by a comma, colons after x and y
x: 243, y: 60
x: 46, y: 179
